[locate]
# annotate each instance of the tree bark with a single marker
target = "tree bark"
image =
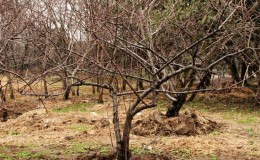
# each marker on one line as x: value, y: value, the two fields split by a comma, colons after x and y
x: 125, y: 153
x: 100, y: 97
x: 173, y: 111
x: 45, y: 87
x: 233, y: 69
x: 10, y: 87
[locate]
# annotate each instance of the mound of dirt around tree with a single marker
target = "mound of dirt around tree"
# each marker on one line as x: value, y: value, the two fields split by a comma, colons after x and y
x: 189, y: 123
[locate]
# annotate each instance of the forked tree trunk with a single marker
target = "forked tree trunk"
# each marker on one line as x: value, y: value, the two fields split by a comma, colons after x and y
x: 173, y: 111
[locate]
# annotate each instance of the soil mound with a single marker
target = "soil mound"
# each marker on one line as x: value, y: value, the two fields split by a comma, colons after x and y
x: 189, y: 123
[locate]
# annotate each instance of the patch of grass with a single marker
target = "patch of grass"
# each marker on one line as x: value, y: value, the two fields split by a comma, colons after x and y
x: 3, y: 148
x: 78, y: 148
x: 31, y: 145
x: 242, y: 113
x: 28, y: 154
x: 141, y: 150
x: 163, y: 104
x: 251, y: 142
x: 252, y: 132
x: 14, y: 133
x: 3, y: 156
x: 77, y: 107
x: 84, y: 147
x: 216, y: 133
x: 248, y: 120
x: 213, y: 157
x: 104, y: 149
x: 182, y: 153
x: 137, y: 150
x: 80, y: 128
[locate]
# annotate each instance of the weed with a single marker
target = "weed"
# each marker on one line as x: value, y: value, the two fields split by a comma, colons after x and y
x: 80, y: 107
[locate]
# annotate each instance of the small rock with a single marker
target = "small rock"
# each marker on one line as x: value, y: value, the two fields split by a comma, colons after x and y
x: 82, y: 120
x: 68, y: 138
x: 139, y: 114
x: 92, y: 132
x: 148, y: 147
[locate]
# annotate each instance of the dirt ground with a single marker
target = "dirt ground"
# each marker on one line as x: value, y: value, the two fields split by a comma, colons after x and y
x: 80, y: 128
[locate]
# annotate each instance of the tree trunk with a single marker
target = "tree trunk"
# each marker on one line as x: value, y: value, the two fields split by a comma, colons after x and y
x: 173, y: 111
x: 77, y: 91
x: 124, y: 152
x: 93, y: 90
x: 66, y: 90
x: 243, y: 72
x: 123, y: 85
x: 258, y: 88
x: 67, y: 94
x: 10, y: 87
x: 202, y: 85
x: 100, y: 97
x: 45, y: 86
x: 233, y: 69
x: 3, y: 98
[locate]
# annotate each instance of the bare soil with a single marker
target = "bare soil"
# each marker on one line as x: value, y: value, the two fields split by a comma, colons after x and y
x: 88, y: 134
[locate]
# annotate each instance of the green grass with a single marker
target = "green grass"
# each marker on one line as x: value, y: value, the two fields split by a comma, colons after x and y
x: 14, y: 133
x: 213, y: 157
x: 216, y: 133
x: 248, y: 120
x: 181, y: 153
x: 80, y: 128
x: 28, y: 154
x: 84, y: 147
x: 3, y: 156
x: 3, y: 149
x: 78, y: 148
x: 242, y: 113
x: 163, y: 104
x: 77, y: 107
x: 141, y: 150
